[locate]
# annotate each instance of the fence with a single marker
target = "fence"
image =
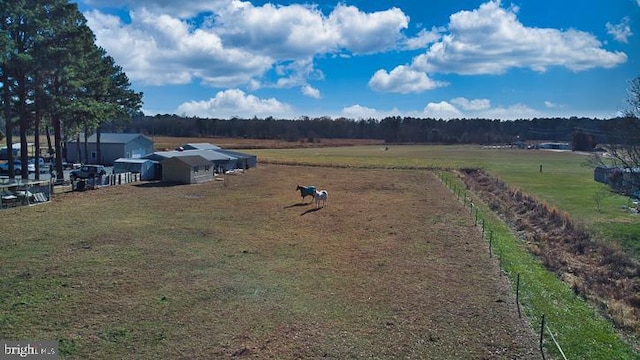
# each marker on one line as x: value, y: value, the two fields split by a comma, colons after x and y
x: 488, y: 235
x: 106, y: 180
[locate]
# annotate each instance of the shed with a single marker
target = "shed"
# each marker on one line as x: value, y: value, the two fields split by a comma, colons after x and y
x: 218, y: 160
x: 112, y: 147
x: 190, y: 169
x: 244, y: 161
x: 602, y: 174
x: 148, y: 169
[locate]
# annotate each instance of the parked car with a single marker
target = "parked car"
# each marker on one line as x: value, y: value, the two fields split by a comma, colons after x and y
x: 40, y: 161
x: 17, y: 167
x: 70, y: 166
x: 88, y: 172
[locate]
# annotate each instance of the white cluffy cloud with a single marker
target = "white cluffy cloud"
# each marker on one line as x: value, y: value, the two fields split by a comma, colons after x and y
x: 403, y: 79
x: 477, y: 108
x: 234, y: 102
x: 312, y: 92
x: 491, y: 40
x: 230, y: 43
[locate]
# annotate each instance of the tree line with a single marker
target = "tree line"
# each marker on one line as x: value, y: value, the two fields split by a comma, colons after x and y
x: 54, y: 78
x: 582, y: 133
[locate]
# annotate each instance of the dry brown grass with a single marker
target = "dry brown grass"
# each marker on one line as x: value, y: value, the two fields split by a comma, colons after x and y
x: 601, y: 272
x: 165, y: 142
x: 392, y: 268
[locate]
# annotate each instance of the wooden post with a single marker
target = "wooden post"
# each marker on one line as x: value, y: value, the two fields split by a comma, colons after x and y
x: 542, y: 337
x: 490, y: 245
x: 518, y: 295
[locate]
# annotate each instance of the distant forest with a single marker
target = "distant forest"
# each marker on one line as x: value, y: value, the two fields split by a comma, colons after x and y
x: 582, y: 133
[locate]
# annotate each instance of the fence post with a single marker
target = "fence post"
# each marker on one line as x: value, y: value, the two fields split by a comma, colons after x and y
x: 542, y: 337
x: 518, y: 295
x: 490, y: 242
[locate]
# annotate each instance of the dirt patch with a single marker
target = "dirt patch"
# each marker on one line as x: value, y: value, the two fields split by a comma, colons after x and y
x: 597, y: 271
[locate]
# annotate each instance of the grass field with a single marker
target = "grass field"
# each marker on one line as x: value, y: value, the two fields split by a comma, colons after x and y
x: 565, y: 182
x: 392, y: 268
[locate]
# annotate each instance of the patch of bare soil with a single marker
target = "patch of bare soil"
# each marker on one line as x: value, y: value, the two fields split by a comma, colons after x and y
x: 599, y: 272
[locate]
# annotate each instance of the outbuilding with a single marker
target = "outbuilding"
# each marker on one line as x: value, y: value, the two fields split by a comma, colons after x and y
x: 200, y: 146
x: 148, y: 169
x: 189, y: 169
x: 220, y: 162
x: 112, y: 147
x: 244, y: 160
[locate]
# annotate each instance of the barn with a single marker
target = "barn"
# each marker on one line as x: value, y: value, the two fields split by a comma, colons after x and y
x: 148, y: 169
x: 112, y: 147
x: 189, y: 169
x: 238, y: 159
x: 219, y: 161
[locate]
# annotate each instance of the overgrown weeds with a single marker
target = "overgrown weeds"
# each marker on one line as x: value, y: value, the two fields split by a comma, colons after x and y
x: 598, y: 271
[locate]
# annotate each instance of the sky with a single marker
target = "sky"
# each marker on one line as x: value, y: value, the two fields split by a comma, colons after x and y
x: 362, y: 59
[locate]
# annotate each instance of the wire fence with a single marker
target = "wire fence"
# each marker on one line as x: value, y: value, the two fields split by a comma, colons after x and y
x: 488, y: 235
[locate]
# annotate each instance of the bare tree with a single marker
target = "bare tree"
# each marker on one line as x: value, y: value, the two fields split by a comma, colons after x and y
x: 623, y: 142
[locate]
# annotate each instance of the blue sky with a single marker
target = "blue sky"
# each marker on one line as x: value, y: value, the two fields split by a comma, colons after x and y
x: 373, y: 59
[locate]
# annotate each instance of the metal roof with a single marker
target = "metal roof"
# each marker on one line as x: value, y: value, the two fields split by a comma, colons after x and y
x: 133, y: 160
x: 200, y: 146
x: 191, y: 160
x: 207, y: 154
x: 112, y: 138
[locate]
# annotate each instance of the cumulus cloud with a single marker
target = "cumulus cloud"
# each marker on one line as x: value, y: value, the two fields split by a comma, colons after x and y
x: 230, y: 43
x: 365, y: 33
x: 424, y: 38
x: 160, y: 50
x: 403, y: 80
x: 441, y: 110
x: 477, y: 108
x: 360, y: 112
x: 235, y: 102
x: 620, y: 32
x: 491, y: 40
x: 475, y: 105
x: 310, y: 91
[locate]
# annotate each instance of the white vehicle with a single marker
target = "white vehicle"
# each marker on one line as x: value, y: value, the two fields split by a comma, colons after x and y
x: 17, y: 167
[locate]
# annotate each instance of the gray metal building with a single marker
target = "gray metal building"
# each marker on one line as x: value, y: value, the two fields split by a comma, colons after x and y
x: 112, y: 147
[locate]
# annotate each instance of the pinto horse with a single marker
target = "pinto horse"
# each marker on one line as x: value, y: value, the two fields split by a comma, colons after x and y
x: 306, y: 191
x: 322, y: 197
